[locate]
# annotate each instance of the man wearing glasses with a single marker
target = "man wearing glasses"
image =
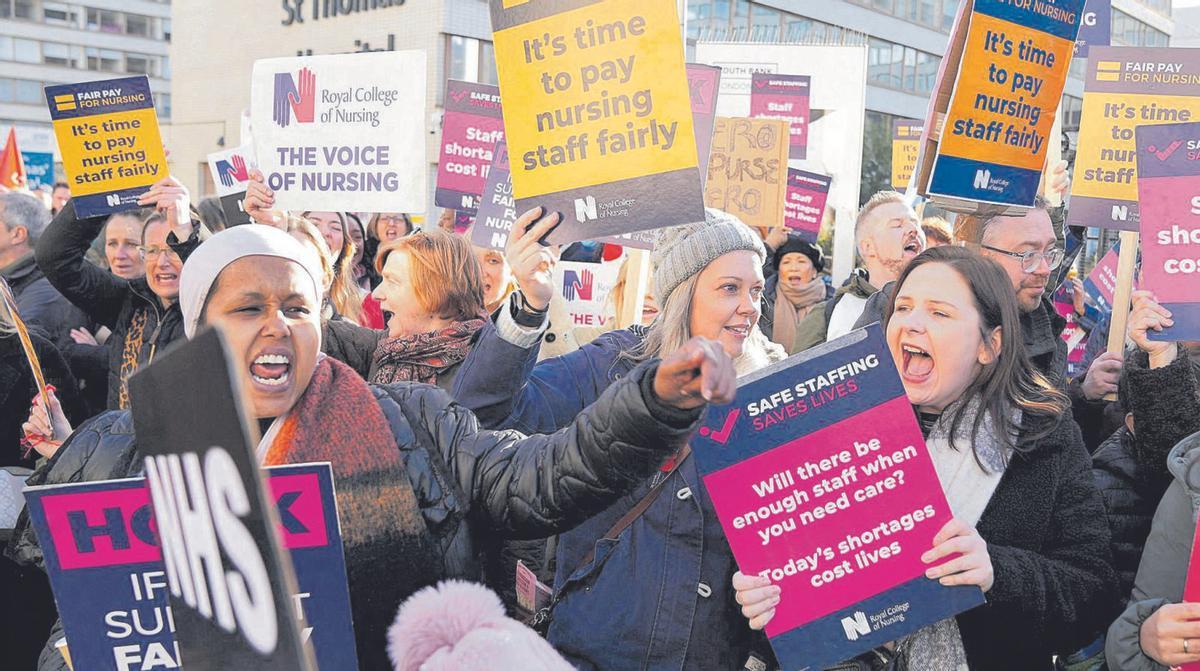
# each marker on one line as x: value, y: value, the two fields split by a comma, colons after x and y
x: 1029, y: 252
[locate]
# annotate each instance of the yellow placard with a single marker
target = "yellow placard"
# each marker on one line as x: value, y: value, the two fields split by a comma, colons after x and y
x: 594, y: 91
x: 111, y: 152
x: 1106, y: 160
x: 1003, y: 105
x: 747, y: 170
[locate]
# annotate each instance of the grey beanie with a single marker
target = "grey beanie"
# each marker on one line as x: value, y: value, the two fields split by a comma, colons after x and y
x: 684, y: 250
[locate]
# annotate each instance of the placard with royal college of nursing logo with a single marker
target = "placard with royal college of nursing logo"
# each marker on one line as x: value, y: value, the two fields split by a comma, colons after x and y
x: 597, y: 114
x: 822, y: 481
x: 111, y: 148
x: 343, y: 132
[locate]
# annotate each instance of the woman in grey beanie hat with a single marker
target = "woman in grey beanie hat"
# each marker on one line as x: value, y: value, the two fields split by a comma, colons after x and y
x: 666, y: 573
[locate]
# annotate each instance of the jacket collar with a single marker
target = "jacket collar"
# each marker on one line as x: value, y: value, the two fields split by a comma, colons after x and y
x: 1184, y: 463
x: 21, y: 270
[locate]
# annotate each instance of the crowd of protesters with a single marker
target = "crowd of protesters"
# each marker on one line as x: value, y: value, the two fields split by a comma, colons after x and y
x: 412, y: 361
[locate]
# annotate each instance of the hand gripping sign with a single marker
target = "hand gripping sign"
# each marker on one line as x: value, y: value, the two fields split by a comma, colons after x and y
x: 822, y: 482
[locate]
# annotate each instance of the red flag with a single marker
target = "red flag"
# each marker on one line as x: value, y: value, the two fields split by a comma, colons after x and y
x: 12, y: 168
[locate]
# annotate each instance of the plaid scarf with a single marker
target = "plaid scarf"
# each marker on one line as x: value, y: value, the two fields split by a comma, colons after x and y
x: 425, y: 356
x: 389, y: 553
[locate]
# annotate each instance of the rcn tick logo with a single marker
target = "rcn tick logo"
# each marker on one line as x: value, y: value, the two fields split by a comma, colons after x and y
x: 579, y: 285
x: 721, y: 437
x: 294, y: 98
x: 1165, y: 153
x: 233, y: 170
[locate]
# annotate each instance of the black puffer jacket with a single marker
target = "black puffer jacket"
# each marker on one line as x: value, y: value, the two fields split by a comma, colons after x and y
x: 40, y: 305
x: 1055, y: 589
x: 17, y: 390
x: 108, y: 299
x: 469, y: 483
x: 1130, y: 469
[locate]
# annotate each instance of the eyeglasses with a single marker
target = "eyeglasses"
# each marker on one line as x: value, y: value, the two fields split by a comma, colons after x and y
x: 1032, y: 258
x: 152, y: 253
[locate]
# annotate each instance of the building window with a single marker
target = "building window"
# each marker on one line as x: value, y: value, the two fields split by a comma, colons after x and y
x: 136, y: 24
x: 166, y: 30
x: 57, y: 54
x: 29, y: 93
x: 1072, y: 112
x: 103, y: 20
x: 764, y: 23
x: 16, y: 9
x: 1131, y: 32
x: 162, y: 106
x: 26, y: 51
x: 470, y: 60
x: 137, y: 64
x: 59, y: 13
x: 103, y: 60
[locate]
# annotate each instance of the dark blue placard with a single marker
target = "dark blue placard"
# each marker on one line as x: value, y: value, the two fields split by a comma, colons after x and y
x: 1095, y: 27
x: 87, y: 595
x: 877, y: 385
x: 71, y: 101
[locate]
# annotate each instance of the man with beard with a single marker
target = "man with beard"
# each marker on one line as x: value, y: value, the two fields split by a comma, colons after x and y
x: 1028, y: 250
x: 888, y: 235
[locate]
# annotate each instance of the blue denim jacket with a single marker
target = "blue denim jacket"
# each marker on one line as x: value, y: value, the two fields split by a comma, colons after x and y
x: 659, y: 597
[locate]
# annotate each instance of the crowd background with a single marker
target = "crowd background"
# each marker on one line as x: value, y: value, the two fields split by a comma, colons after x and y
x: 413, y: 361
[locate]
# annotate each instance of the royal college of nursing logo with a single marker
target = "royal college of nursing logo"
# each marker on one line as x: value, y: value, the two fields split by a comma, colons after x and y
x: 294, y: 96
x: 578, y: 285
x: 232, y: 171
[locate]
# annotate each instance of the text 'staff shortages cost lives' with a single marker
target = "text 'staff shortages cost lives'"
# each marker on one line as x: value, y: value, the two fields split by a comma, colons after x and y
x: 1126, y: 87
x: 110, y: 583
x: 471, y: 127
x: 993, y: 145
x: 597, y: 114
x: 1169, y: 197
x: 111, y: 148
x: 822, y: 481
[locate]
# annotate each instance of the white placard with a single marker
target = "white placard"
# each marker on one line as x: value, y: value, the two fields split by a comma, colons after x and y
x: 231, y: 169
x: 343, y: 132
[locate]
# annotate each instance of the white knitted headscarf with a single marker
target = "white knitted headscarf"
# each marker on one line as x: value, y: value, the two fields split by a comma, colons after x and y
x: 205, y: 264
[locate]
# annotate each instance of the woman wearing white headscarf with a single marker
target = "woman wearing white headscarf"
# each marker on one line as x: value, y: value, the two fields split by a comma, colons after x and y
x: 414, y: 473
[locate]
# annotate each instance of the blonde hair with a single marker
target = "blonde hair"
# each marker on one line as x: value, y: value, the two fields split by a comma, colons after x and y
x: 672, y: 329
x: 299, y: 225
x: 345, y: 294
x: 446, y: 277
x: 616, y: 297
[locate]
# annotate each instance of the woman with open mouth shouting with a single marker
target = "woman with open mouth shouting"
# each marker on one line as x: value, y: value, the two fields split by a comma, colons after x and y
x: 663, y: 572
x: 418, y: 483
x: 1029, y: 525
x: 141, y: 312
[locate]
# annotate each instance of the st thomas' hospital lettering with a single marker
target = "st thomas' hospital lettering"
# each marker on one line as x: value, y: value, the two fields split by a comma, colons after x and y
x: 294, y: 10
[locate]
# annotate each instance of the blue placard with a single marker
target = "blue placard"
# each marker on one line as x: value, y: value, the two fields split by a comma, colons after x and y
x: 39, y: 170
x: 1095, y: 28
x: 109, y: 581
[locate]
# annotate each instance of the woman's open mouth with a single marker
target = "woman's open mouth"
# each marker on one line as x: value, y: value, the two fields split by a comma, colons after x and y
x: 916, y: 364
x: 271, y: 370
x: 740, y: 331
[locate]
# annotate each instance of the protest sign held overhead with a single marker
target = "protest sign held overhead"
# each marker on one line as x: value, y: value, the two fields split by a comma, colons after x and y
x: 774, y: 96
x: 471, y: 127
x: 198, y: 465
x: 597, y: 114
x: 1169, y: 202
x: 585, y: 289
x: 231, y: 173
x: 497, y: 210
x: 104, y: 562
x: 1095, y: 28
x: 821, y: 480
x: 906, y: 144
x: 343, y: 132
x: 805, y: 206
x: 747, y: 172
x: 1125, y: 88
x: 111, y: 149
x: 704, y: 84
x: 993, y: 143
x: 1101, y: 283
